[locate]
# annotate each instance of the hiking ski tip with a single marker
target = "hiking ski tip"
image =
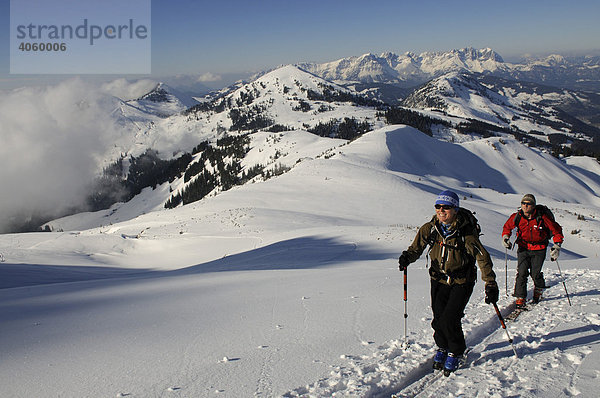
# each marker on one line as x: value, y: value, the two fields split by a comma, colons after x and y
x: 519, y: 310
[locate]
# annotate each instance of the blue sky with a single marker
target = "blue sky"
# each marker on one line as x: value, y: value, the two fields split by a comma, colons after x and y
x: 219, y: 37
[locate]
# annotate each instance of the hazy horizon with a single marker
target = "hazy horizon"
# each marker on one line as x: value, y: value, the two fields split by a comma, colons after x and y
x: 211, y: 41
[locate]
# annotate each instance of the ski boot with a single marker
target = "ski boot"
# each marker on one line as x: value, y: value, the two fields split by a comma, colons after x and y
x: 520, y: 303
x: 537, y: 294
x: 452, y: 363
x: 439, y: 359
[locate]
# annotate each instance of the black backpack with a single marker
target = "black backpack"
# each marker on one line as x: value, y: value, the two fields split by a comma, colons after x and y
x: 470, y: 216
x: 540, y: 210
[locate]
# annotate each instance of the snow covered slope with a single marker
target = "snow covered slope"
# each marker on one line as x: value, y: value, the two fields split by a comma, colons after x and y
x: 268, y: 150
x: 289, y: 287
x: 287, y: 97
x: 522, y: 107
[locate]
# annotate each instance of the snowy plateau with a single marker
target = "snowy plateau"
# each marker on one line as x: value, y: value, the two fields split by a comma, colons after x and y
x: 289, y: 286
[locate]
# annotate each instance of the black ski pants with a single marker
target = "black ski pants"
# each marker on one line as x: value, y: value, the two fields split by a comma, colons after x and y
x: 529, y: 263
x: 448, y: 303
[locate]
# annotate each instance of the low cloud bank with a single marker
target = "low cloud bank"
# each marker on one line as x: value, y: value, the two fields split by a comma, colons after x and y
x: 54, y: 139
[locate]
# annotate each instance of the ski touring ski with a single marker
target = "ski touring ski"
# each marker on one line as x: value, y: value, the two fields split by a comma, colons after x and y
x: 512, y: 317
x: 431, y: 377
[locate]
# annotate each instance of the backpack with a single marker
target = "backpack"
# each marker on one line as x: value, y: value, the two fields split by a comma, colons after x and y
x: 472, y: 228
x: 470, y: 216
x: 467, y: 215
x: 540, y: 210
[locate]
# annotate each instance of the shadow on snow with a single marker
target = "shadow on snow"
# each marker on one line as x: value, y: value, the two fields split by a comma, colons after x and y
x: 298, y: 253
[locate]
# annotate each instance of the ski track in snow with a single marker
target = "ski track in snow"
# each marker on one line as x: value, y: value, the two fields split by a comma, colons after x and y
x: 552, y: 340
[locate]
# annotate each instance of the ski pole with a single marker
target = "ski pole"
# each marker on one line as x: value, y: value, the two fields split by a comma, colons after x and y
x: 563, y: 281
x: 506, y: 270
x: 510, y: 340
x: 405, y: 308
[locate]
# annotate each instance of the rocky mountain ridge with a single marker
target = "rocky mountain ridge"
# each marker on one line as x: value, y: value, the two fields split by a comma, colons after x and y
x: 410, y: 69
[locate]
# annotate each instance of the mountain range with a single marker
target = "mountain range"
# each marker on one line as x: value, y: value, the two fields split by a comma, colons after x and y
x: 410, y: 69
x: 469, y: 84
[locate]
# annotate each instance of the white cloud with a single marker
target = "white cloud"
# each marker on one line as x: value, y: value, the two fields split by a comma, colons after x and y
x: 208, y: 77
x: 126, y: 90
x: 53, y: 140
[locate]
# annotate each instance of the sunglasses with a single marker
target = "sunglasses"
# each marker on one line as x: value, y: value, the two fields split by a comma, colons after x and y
x: 444, y: 207
x: 527, y: 203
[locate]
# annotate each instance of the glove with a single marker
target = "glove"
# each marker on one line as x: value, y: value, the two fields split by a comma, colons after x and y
x: 403, y: 261
x: 554, y: 252
x: 506, y: 242
x: 491, y: 293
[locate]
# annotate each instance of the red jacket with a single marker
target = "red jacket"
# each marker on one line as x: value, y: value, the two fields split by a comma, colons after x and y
x: 530, y: 235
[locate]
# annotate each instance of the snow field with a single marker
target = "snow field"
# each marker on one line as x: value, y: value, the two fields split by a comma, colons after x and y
x: 290, y: 287
x: 556, y: 343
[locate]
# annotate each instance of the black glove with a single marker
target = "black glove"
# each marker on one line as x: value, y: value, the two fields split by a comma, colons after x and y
x: 403, y: 261
x: 506, y: 242
x: 491, y: 293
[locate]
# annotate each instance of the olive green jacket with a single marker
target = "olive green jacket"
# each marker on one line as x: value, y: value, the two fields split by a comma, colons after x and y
x: 452, y: 260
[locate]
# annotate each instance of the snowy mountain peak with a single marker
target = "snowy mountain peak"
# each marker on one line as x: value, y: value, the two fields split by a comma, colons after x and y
x: 292, y: 74
x: 160, y: 93
x: 162, y: 101
x: 552, y: 60
x: 525, y: 108
x: 434, y: 93
x: 388, y: 55
x: 287, y: 96
x: 284, y: 84
x: 491, y: 54
x: 472, y: 54
x: 462, y: 94
x: 409, y: 67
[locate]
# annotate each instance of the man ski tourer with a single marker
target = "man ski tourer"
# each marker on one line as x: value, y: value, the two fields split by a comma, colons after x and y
x: 453, y: 237
x: 535, y: 226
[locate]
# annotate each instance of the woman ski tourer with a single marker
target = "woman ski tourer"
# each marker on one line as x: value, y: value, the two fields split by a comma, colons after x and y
x: 453, y: 238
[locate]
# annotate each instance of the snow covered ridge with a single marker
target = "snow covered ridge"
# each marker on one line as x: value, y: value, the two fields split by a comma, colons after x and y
x: 290, y: 98
x: 163, y: 101
x: 411, y: 69
x: 525, y: 108
x: 287, y: 96
x: 415, y: 153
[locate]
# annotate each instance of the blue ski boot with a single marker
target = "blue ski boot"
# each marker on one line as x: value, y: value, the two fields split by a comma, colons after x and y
x: 451, y: 364
x: 439, y: 359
